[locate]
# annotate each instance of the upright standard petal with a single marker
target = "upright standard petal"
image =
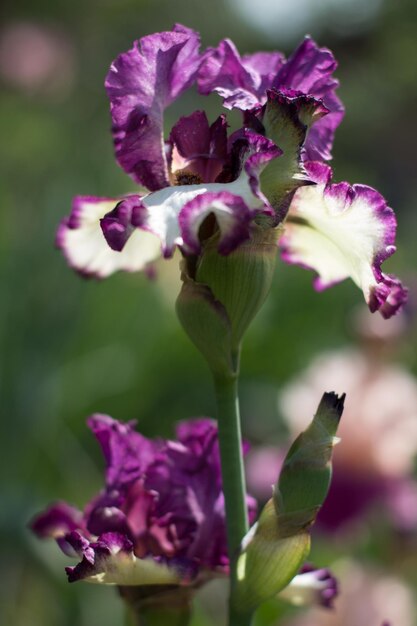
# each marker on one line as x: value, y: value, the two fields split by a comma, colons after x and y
x: 127, y: 453
x: 141, y: 83
x: 343, y: 231
x: 85, y: 248
x: 241, y: 81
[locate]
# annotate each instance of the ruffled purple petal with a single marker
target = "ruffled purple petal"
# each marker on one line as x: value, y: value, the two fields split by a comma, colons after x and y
x: 103, y: 519
x: 116, y: 225
x: 222, y: 71
x: 85, y: 248
x: 75, y: 544
x: 141, y: 83
x: 343, y: 231
x: 195, y: 501
x: 127, y: 453
x: 320, y: 137
x: 264, y: 66
x: 111, y: 560
x: 199, y: 150
x: 57, y: 520
x: 243, y: 82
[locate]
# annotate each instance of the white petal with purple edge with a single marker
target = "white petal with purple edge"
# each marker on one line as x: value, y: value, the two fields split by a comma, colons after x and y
x: 137, y: 228
x: 81, y: 239
x: 343, y: 231
x: 232, y: 214
x: 317, y: 587
x: 161, y: 210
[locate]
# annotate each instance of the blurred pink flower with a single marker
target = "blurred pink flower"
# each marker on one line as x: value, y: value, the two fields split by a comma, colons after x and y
x: 379, y: 426
x: 263, y: 465
x: 34, y: 57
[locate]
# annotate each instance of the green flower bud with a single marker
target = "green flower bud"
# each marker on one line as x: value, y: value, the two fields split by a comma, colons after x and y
x: 218, y: 302
x: 205, y: 321
x: 277, y: 545
x: 306, y: 474
x: 242, y: 280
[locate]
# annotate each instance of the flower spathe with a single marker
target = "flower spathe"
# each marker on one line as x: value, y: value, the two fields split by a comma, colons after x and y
x: 269, y: 172
x: 160, y: 518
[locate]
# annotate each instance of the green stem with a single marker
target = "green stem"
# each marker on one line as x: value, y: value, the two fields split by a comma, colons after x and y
x: 230, y: 439
x: 233, y: 475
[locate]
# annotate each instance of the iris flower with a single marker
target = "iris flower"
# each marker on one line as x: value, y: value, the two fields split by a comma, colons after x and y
x: 203, y: 183
x: 160, y: 519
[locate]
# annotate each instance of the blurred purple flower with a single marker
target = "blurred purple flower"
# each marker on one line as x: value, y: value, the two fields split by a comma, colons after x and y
x: 313, y: 587
x: 203, y: 183
x: 368, y: 597
x: 160, y: 518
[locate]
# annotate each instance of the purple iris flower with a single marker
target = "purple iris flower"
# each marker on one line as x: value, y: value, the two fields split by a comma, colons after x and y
x: 160, y: 518
x: 203, y: 183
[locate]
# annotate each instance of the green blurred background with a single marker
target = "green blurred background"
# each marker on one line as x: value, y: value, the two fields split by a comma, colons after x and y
x: 70, y: 346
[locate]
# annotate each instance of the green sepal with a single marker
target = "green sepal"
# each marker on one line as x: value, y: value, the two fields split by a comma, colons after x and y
x: 241, y: 281
x: 207, y: 324
x: 277, y: 545
x: 269, y: 562
x: 286, y: 121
